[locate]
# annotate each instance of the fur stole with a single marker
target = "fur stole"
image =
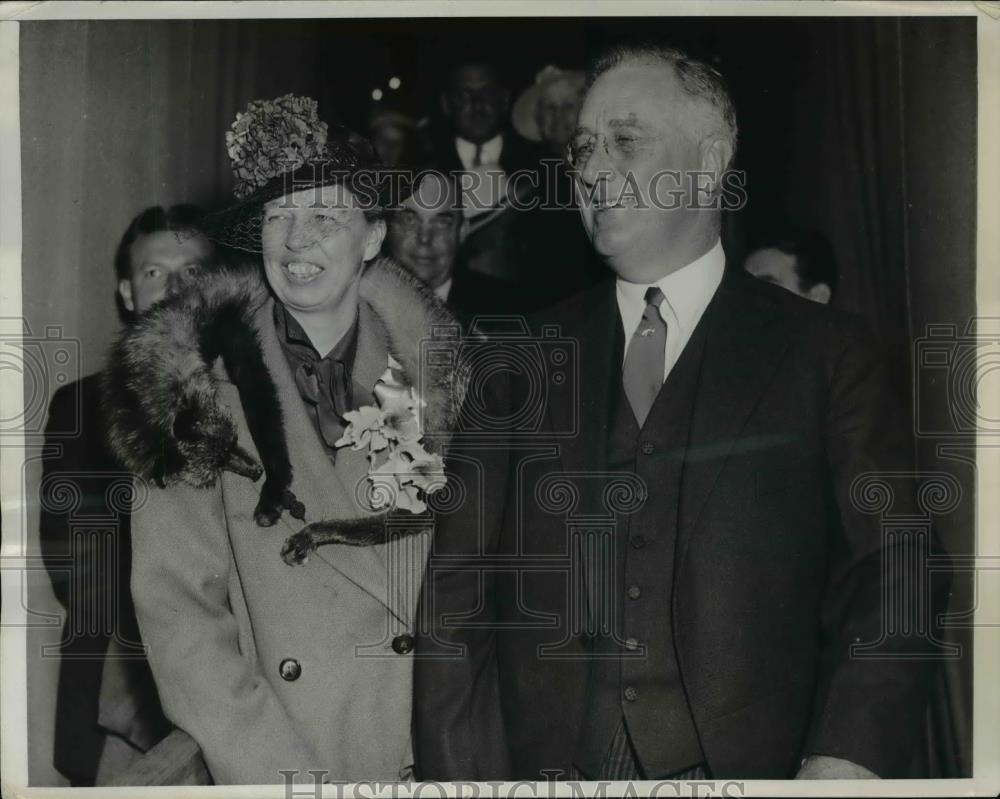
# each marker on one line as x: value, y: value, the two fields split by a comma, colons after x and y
x: 163, y: 419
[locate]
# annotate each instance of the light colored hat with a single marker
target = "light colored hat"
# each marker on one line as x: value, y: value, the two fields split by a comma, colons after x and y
x: 523, y: 114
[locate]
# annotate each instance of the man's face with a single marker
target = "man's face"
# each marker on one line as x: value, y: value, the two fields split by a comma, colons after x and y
x: 558, y: 106
x: 476, y: 103
x: 635, y: 126
x: 161, y: 264
x: 315, y: 243
x: 424, y: 234
x: 389, y: 142
x: 774, y: 266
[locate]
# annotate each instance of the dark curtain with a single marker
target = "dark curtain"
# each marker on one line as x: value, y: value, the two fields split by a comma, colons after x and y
x: 884, y: 148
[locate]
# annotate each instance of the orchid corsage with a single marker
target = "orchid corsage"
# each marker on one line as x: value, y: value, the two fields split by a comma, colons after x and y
x: 401, y: 472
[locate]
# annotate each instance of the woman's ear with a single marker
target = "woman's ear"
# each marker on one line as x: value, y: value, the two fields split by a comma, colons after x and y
x: 376, y: 234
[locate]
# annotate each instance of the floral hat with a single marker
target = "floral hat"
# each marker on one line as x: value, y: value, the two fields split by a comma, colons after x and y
x: 281, y: 146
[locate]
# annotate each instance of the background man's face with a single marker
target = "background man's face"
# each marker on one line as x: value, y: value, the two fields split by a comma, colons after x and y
x: 162, y: 263
x: 476, y: 103
x: 634, y: 126
x: 424, y: 234
x: 389, y: 142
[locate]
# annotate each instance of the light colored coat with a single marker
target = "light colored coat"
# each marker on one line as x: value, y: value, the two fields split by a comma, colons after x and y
x: 220, y: 610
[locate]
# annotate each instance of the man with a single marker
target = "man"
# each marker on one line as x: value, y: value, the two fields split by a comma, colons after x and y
x: 107, y: 710
x: 799, y: 261
x: 424, y: 236
x: 501, y: 167
x: 663, y: 576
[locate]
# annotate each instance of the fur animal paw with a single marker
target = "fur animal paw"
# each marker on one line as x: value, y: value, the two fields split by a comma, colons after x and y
x: 298, y: 547
x: 273, y: 502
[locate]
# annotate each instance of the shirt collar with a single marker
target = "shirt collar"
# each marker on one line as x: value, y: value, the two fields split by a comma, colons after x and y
x: 490, y: 153
x: 687, y: 291
x: 443, y: 290
x: 295, y: 341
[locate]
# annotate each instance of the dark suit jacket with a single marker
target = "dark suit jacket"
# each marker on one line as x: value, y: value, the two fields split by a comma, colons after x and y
x: 84, y: 531
x: 476, y: 295
x: 777, y: 569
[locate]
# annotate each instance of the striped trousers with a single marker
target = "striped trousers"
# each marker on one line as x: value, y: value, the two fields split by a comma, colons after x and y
x: 621, y: 763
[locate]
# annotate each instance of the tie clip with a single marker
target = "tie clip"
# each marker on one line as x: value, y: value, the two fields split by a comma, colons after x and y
x: 647, y: 332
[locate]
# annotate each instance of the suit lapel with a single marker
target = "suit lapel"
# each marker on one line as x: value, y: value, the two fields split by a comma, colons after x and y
x: 595, y: 331
x: 745, y: 343
x: 328, y: 491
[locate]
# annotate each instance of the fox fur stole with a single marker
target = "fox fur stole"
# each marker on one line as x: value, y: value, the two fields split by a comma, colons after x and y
x: 163, y: 420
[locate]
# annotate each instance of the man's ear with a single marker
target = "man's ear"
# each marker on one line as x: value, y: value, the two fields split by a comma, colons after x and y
x: 716, y: 155
x: 820, y: 293
x: 463, y: 230
x: 375, y: 236
x: 445, y: 105
x: 125, y: 291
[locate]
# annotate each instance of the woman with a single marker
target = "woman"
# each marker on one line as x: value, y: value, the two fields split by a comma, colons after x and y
x: 275, y: 670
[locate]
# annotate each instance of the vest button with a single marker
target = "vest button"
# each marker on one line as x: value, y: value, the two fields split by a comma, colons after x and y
x: 631, y: 644
x: 289, y: 669
x: 634, y: 592
x: 631, y: 694
x: 637, y: 541
x: 402, y: 644
x: 648, y: 448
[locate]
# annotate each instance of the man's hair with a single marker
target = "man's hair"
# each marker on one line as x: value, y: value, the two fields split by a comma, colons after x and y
x: 178, y: 218
x: 815, y: 261
x: 416, y: 171
x: 696, y: 78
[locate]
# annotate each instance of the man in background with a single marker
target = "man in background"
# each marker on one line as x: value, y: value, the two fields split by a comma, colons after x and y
x: 800, y: 261
x: 107, y: 709
x: 425, y: 236
x: 501, y: 168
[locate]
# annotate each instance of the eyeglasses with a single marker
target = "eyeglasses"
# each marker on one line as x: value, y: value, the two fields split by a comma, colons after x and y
x: 620, y: 147
x: 439, y: 225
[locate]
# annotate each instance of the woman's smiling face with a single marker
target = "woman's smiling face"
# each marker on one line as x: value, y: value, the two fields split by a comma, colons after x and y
x: 315, y: 243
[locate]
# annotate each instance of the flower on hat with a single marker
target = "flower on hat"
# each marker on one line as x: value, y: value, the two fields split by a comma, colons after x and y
x: 273, y: 137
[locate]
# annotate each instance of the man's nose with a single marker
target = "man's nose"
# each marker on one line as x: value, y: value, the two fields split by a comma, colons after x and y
x: 597, y: 167
x: 175, y: 282
x: 424, y: 234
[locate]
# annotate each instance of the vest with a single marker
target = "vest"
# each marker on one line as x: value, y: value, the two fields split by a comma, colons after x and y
x: 634, y: 673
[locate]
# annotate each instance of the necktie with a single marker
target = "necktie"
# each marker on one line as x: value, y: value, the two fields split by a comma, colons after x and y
x: 477, y: 158
x: 643, y: 372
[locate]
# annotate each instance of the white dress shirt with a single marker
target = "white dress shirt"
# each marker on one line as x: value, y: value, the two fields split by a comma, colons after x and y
x: 443, y: 290
x: 490, y: 153
x: 686, y: 292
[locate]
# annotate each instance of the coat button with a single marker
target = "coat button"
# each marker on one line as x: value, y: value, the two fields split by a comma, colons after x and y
x: 634, y: 592
x: 289, y: 669
x: 637, y: 541
x: 631, y: 644
x: 631, y: 694
x: 648, y: 448
x: 402, y: 644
